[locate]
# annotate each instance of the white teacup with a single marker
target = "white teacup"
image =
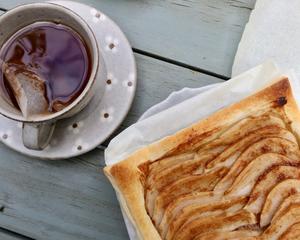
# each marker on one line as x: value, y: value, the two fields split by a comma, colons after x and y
x: 38, y: 130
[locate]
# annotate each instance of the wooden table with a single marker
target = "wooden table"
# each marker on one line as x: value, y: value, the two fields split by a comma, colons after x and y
x: 177, y: 43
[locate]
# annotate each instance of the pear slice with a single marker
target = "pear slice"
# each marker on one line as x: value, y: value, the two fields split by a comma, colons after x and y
x: 203, y: 182
x: 276, y: 197
x: 195, y: 211
x: 244, y: 127
x: 162, y: 164
x: 237, y: 148
x: 171, y: 174
x: 168, y: 176
x: 283, y: 143
x: 194, y: 198
x: 279, y: 227
x: 285, y: 204
x: 155, y: 168
x: 228, y: 222
x: 267, y: 182
x: 245, y: 181
x: 229, y: 134
x: 292, y: 232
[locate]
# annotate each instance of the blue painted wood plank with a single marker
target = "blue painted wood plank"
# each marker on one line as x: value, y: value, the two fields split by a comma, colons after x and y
x: 201, y: 33
x: 4, y: 236
x: 57, y: 200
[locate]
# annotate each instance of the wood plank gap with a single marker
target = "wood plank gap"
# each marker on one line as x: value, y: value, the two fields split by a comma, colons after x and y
x: 180, y: 64
x: 3, y: 9
x: 15, y: 234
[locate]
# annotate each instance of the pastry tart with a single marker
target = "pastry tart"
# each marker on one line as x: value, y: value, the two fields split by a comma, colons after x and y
x: 233, y: 175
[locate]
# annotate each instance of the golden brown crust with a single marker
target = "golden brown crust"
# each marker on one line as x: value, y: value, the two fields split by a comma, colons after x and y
x: 128, y: 176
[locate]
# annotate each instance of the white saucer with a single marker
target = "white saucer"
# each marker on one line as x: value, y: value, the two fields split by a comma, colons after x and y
x: 92, y: 126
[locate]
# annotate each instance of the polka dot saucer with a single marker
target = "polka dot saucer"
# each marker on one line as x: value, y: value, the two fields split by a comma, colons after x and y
x: 86, y: 130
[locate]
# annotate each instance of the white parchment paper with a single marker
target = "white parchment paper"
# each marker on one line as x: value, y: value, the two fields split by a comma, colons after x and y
x: 273, y: 32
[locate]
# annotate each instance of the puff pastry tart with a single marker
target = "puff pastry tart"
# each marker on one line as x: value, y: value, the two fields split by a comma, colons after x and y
x: 233, y: 175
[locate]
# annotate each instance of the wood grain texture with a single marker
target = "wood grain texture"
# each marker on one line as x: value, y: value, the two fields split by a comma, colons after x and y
x: 58, y: 200
x: 201, y: 33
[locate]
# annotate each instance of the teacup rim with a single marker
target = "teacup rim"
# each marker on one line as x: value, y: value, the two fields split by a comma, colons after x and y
x: 93, y: 74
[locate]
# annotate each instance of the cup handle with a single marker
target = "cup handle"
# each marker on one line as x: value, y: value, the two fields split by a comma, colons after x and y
x: 36, y: 136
